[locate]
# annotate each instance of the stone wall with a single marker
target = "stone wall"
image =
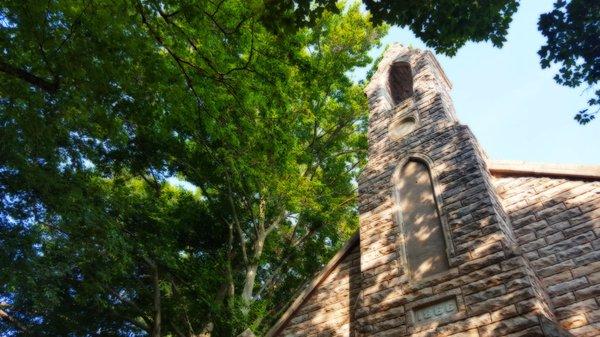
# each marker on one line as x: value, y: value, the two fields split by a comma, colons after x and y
x: 327, y: 311
x: 491, y: 287
x: 557, y: 224
x: 495, y: 289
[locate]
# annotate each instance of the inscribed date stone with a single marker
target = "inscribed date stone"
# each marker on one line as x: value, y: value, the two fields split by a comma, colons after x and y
x: 436, y: 310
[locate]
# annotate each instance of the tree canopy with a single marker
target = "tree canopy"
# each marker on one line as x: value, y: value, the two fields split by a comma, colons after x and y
x: 104, y: 104
x: 572, y: 32
x: 180, y: 168
x: 571, y: 29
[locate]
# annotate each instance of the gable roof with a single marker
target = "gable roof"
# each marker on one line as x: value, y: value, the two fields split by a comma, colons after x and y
x: 310, y: 287
x: 522, y: 168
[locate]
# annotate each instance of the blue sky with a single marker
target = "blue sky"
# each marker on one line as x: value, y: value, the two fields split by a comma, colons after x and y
x: 515, y: 108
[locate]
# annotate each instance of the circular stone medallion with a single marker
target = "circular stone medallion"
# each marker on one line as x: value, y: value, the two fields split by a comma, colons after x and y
x: 401, y: 128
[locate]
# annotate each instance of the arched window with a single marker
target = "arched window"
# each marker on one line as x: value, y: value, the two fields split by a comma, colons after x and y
x: 400, y: 82
x: 424, y: 243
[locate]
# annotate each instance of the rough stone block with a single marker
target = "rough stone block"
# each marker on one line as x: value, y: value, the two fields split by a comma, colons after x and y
x: 567, y: 286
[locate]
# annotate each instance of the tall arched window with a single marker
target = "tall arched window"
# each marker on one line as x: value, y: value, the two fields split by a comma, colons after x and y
x: 400, y: 82
x: 424, y: 243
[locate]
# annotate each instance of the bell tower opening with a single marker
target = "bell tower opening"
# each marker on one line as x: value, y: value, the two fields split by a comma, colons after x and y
x: 400, y: 82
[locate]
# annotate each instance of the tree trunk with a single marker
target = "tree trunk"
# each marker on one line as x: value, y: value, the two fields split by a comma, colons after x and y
x: 249, y: 283
x: 252, y: 267
x: 156, y: 324
x: 157, y: 313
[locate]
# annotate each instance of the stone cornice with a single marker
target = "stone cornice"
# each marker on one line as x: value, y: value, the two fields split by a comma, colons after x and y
x: 522, y: 168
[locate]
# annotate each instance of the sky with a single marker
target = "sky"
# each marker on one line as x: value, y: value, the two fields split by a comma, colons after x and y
x: 514, y: 108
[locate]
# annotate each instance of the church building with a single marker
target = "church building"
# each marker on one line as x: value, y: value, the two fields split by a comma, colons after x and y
x: 452, y: 243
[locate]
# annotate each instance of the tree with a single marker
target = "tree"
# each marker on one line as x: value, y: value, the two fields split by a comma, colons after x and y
x: 103, y: 102
x: 572, y: 32
x: 181, y: 167
x: 444, y: 25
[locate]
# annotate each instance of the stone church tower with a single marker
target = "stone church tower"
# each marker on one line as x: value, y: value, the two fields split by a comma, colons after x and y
x: 451, y: 243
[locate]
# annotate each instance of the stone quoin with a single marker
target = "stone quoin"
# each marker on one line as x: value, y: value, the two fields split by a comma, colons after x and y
x: 450, y: 242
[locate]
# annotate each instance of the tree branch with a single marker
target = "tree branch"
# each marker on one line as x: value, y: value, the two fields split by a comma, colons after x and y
x: 73, y: 27
x: 238, y: 227
x: 175, y: 57
x: 48, y: 86
x: 176, y: 329
x: 250, y: 56
x: 15, y: 322
x: 134, y: 306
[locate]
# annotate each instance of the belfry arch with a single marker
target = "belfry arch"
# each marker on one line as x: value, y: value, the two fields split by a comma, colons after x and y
x: 400, y: 82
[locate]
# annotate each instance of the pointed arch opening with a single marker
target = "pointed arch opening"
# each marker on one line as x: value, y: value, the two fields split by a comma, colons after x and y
x: 400, y: 82
x: 424, y: 241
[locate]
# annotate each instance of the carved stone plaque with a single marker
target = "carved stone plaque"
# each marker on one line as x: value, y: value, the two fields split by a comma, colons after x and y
x: 436, y: 310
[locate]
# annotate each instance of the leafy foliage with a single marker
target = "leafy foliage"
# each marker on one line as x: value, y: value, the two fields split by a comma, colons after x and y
x: 447, y: 25
x: 102, y: 104
x: 572, y: 31
x: 182, y: 167
x: 443, y: 25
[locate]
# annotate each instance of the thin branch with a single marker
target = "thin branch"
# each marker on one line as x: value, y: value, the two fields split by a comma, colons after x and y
x: 154, y: 182
x: 237, y: 224
x: 218, y: 7
x: 349, y: 151
x: 42, y: 40
x: 219, y: 77
x: 140, y: 325
x: 275, y: 223
x: 73, y: 27
x: 229, y: 271
x: 133, y: 305
x: 189, y: 40
x: 177, y: 59
x: 240, y: 235
x: 169, y: 15
x: 237, y: 221
x: 250, y: 56
x: 271, y: 280
x: 212, y: 18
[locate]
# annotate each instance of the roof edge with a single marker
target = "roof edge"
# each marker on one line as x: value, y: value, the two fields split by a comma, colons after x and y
x: 439, y: 68
x: 521, y: 168
x: 312, y: 285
